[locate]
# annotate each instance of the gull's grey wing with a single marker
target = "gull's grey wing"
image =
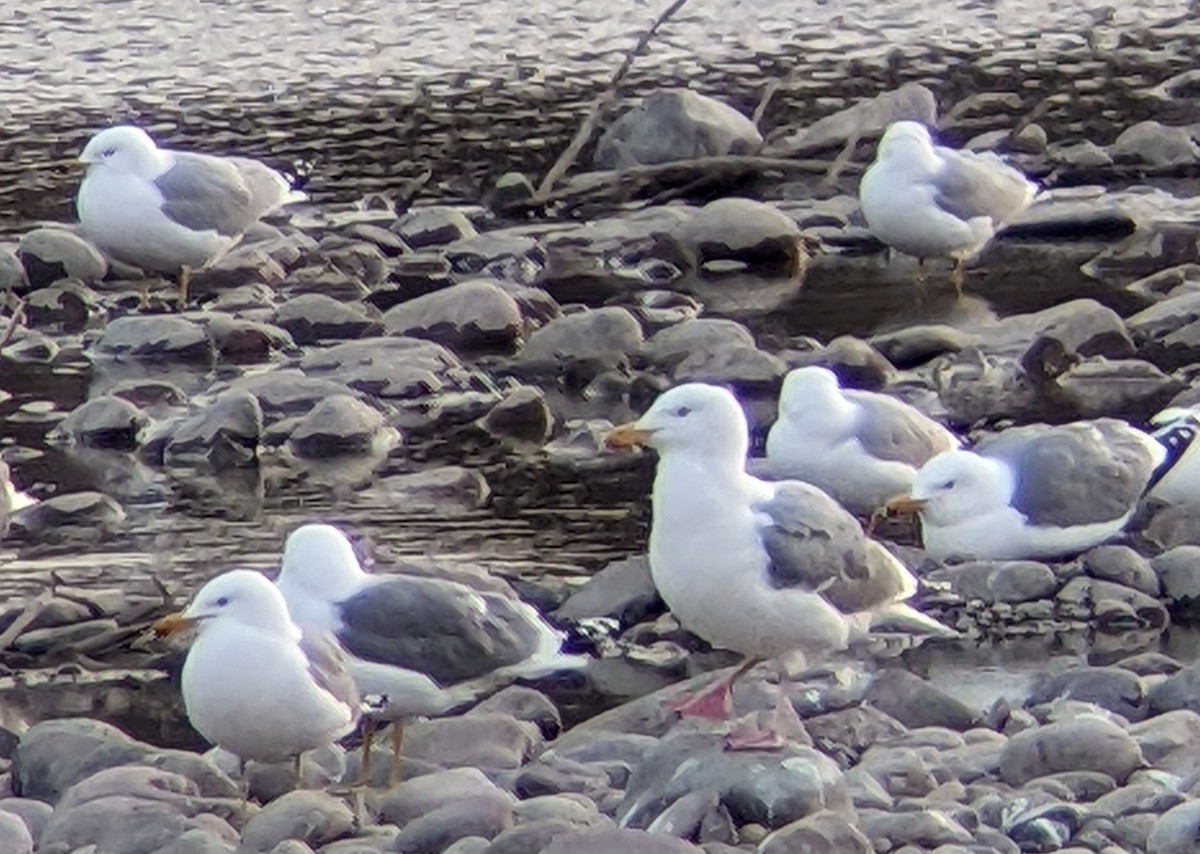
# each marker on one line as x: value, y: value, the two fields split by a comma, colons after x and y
x: 206, y: 194
x: 890, y: 430
x: 1075, y: 474
x: 268, y: 189
x: 814, y: 544
x: 327, y: 666
x: 973, y: 184
x: 434, y: 627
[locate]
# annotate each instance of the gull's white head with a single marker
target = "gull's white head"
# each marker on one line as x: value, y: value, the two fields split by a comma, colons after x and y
x: 125, y: 148
x: 241, y: 596
x: 319, y: 559
x: 904, y: 137
x: 693, y: 418
x: 956, y: 485
x: 808, y: 389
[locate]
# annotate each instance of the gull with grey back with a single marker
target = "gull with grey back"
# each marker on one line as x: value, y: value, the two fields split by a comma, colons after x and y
x: 1034, y: 492
x: 759, y: 568
x: 426, y: 646
x: 862, y: 448
x: 253, y: 682
x: 930, y: 201
x: 171, y: 212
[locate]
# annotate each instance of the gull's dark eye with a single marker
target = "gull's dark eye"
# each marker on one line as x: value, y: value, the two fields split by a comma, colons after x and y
x: 947, y: 485
x: 223, y: 601
x: 683, y: 411
x: 108, y: 152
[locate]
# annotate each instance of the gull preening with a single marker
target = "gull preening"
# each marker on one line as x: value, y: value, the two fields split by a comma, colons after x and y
x: 1034, y: 492
x: 171, y: 212
x: 931, y: 201
x: 425, y: 646
x: 755, y: 567
x: 862, y: 448
x: 254, y: 683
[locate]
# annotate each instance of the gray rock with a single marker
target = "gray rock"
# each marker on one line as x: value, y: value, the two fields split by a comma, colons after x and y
x: 245, y: 265
x: 622, y: 590
x: 471, y: 317
x: 1120, y: 388
x: 1155, y: 144
x: 15, y: 837
x: 1081, y: 155
x: 1180, y: 691
x: 1112, y: 688
x: 1080, y: 744
x: 913, y: 702
x: 69, y: 305
x: 12, y: 272
x: 524, y: 704
x: 283, y: 393
x: 435, y: 225
x: 422, y: 795
x: 1172, y: 527
x: 1121, y: 565
x: 339, y: 425
x: 481, y: 741
x: 1008, y: 581
x: 818, y: 833
x: 1168, y: 332
x: 927, y: 829
x: 361, y: 261
x: 1096, y: 598
x: 103, y: 422
x: 530, y: 836
x: 311, y: 318
x: 675, y: 124
x: 433, y: 489
x: 916, y: 345
x: 77, y: 512
x: 157, y: 337
x: 670, y: 346
x: 482, y: 815
x: 310, y: 816
x: 522, y: 414
x: 243, y: 341
x: 127, y: 825
x: 1178, y: 570
x: 770, y: 788
x: 54, y: 755
x: 752, y: 234
x: 625, y: 841
x: 405, y: 368
x: 856, y: 362
x: 499, y: 254
x: 1176, y: 831
x: 224, y: 434
x: 582, y: 345
x: 52, y: 254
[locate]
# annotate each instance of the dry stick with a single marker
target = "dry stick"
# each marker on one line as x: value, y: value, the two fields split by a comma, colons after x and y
x: 31, y: 612
x: 18, y: 317
x: 571, y: 152
x: 764, y: 100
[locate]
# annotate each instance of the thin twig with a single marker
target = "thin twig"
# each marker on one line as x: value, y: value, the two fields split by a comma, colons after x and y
x: 598, y: 105
x: 31, y: 613
x: 18, y: 317
x: 764, y: 100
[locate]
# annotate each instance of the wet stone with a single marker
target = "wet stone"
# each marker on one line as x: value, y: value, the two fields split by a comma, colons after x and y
x: 481, y: 815
x: 311, y: 318
x: 623, y: 590
x: 998, y: 581
x: 52, y: 254
x: 1176, y: 831
x: 1121, y: 565
x: 1112, y: 688
x: 15, y: 837
x: 741, y: 230
x: 433, y: 226
x: 68, y: 304
x: 675, y: 124
x: 312, y: 816
x: 483, y: 741
x: 157, y: 337
x: 338, y: 425
x: 421, y: 795
x: 1178, y: 571
x: 360, y: 261
x: 1080, y: 744
x: 913, y: 702
x: 103, y: 422
x: 472, y: 317
x: 582, y: 345
x: 626, y: 841
x: 91, y: 513
x: 1155, y: 144
x: 224, y: 434
x: 522, y: 414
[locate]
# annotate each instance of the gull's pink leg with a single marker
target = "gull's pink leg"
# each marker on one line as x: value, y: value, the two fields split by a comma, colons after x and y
x: 716, y: 701
x: 770, y: 730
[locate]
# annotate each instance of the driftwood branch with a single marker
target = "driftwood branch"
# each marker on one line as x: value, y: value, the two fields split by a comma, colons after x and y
x: 571, y: 153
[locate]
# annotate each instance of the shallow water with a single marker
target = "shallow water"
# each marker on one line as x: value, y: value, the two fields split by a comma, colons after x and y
x: 367, y: 94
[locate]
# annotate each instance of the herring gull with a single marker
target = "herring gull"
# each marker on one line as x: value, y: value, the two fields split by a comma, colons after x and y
x: 424, y: 645
x: 171, y: 211
x: 931, y: 201
x: 254, y: 683
x: 755, y: 567
x: 1034, y: 492
x: 861, y: 448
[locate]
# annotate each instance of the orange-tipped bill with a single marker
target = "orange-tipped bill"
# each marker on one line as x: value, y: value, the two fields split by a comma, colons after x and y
x: 627, y: 436
x: 903, y: 505
x: 172, y: 624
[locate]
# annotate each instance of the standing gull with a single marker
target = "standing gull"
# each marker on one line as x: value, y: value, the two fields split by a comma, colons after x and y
x: 860, y: 447
x: 934, y: 202
x: 756, y: 567
x: 253, y: 682
x: 1034, y: 492
x: 426, y: 645
x: 171, y: 211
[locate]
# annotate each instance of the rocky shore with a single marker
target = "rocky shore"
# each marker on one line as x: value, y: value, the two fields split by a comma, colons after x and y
x: 439, y: 376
